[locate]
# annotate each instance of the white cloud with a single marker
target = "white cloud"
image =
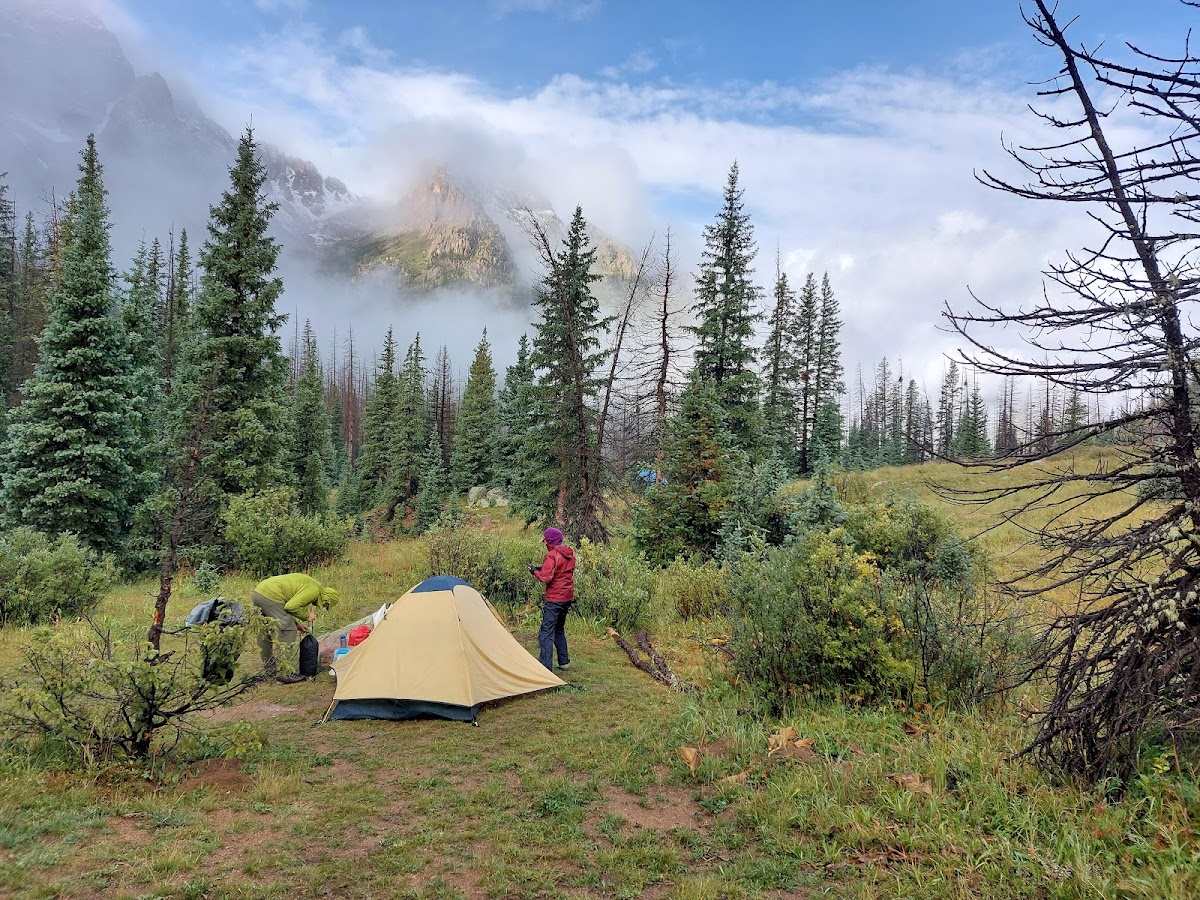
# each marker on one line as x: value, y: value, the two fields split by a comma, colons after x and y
x: 869, y: 176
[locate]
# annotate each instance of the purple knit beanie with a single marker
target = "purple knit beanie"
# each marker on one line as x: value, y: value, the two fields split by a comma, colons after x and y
x: 552, y: 536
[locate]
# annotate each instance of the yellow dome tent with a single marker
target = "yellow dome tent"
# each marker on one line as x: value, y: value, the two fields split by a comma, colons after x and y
x: 440, y: 650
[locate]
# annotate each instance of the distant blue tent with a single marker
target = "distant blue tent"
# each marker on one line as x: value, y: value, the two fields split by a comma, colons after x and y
x: 648, y: 476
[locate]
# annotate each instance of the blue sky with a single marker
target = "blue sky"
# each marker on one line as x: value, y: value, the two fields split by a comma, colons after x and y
x: 858, y: 124
x: 516, y: 45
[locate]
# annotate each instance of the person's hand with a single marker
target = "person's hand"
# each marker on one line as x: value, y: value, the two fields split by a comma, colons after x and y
x: 312, y: 614
x: 533, y: 570
x: 302, y: 628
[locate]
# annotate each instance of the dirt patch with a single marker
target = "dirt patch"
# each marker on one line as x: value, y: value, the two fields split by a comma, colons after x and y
x: 130, y: 831
x: 467, y: 880
x: 252, y: 711
x: 664, y: 809
x: 223, y: 777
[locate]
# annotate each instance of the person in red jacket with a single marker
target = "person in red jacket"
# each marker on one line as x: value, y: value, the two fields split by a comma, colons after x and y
x: 557, y: 572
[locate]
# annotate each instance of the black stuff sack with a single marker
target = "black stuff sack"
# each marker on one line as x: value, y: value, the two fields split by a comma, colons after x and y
x: 309, y: 648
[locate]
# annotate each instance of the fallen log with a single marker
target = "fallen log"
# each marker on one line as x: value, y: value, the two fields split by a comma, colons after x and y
x: 653, y: 665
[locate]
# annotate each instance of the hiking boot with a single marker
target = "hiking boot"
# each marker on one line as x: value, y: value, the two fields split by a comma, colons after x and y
x: 290, y: 679
x: 564, y: 666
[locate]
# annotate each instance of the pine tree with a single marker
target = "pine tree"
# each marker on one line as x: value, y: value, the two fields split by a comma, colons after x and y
x: 30, y: 304
x: 443, y: 402
x: 232, y: 365
x: 8, y: 296
x: 725, y: 303
x: 69, y: 447
x: 518, y: 420
x: 1074, y: 417
x: 971, y: 435
x: 473, y: 461
x: 410, y: 428
x: 683, y: 514
x: 431, y: 495
x: 826, y: 380
x: 567, y: 354
x: 139, y: 313
x: 785, y: 394
x: 947, y: 414
x: 312, y: 449
x: 176, y: 308
x: 373, y: 472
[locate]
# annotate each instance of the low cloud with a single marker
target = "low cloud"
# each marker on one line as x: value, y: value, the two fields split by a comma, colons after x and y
x: 868, y: 175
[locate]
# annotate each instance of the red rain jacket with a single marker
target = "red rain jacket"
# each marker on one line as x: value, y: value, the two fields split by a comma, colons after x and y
x: 558, y: 574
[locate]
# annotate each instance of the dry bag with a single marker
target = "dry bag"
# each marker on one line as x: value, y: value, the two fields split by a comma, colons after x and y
x: 309, y: 648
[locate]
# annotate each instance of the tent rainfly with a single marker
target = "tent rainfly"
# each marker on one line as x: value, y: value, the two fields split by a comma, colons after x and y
x: 440, y: 650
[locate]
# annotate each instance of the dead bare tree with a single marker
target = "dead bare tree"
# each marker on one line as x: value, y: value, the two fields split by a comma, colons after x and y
x: 1124, y: 661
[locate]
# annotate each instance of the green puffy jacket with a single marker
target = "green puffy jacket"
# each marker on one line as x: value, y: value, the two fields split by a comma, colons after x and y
x: 296, y: 591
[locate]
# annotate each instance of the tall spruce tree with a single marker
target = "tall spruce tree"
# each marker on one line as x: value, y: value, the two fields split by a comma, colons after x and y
x: 30, y: 304
x: 473, y: 461
x: 139, y: 313
x: 567, y: 355
x: 971, y: 436
x: 725, y: 312
x: 176, y: 308
x: 373, y: 471
x: 233, y: 355
x: 8, y: 296
x: 826, y: 381
x: 785, y: 394
x: 410, y: 428
x: 312, y: 447
x: 431, y: 495
x: 518, y: 419
x: 683, y: 513
x: 67, y: 461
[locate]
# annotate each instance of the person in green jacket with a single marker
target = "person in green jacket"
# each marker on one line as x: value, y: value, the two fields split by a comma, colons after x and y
x: 291, y: 601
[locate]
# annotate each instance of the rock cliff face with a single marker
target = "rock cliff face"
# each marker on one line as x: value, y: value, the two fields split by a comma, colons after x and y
x: 166, y: 162
x: 440, y: 236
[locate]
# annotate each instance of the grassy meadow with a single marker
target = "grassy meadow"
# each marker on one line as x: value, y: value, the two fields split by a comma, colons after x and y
x: 615, y: 786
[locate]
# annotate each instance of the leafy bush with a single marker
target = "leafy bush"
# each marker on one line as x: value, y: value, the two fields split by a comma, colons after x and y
x: 268, y: 534
x: 816, y: 616
x: 207, y: 578
x: 967, y: 644
x: 101, y: 698
x: 41, y: 578
x: 495, y: 567
x: 698, y: 590
x: 611, y: 586
x: 909, y: 538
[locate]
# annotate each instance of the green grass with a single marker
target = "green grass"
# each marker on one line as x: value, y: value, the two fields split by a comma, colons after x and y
x: 583, y: 792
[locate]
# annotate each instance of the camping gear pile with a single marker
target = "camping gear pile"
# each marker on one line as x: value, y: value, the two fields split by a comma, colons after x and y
x: 440, y: 650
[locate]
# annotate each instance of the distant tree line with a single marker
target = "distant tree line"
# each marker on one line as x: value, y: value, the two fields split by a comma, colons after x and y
x: 138, y: 405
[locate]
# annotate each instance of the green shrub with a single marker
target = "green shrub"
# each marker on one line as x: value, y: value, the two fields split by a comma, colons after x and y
x: 816, y: 616
x: 99, y: 697
x: 495, y: 567
x: 41, y: 578
x: 611, y: 586
x: 907, y: 537
x: 967, y: 644
x: 206, y: 579
x: 267, y: 534
x: 697, y: 590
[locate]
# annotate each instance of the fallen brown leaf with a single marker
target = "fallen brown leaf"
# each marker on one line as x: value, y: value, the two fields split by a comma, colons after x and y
x: 691, y: 756
x: 780, y: 739
x: 912, y: 729
x: 912, y: 782
x: 801, y: 751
